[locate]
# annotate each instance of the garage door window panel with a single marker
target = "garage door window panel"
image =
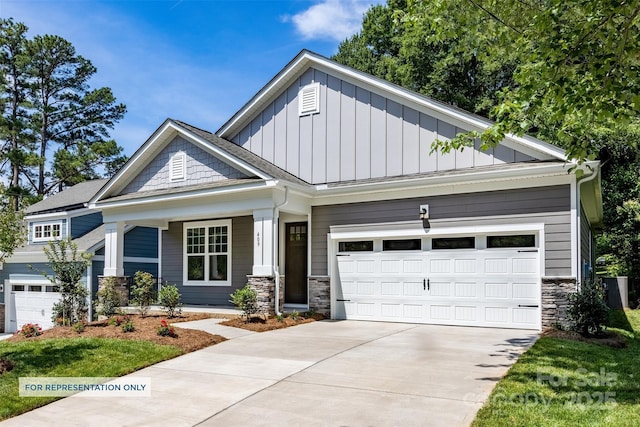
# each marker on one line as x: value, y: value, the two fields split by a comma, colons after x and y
x: 357, y: 246
x: 402, y: 245
x: 445, y: 243
x: 512, y: 241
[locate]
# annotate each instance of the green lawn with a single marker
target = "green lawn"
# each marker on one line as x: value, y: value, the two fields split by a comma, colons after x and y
x: 76, y: 357
x: 567, y: 383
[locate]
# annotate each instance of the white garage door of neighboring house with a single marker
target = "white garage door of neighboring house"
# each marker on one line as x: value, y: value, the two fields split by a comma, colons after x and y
x: 30, y: 303
x: 451, y: 283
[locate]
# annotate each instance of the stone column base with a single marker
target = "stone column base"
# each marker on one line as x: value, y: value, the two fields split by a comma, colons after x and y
x: 320, y: 295
x: 121, y: 284
x: 266, y: 288
x: 555, y: 300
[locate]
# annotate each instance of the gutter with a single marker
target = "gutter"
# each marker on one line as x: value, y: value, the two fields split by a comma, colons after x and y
x: 594, y: 174
x: 276, y: 236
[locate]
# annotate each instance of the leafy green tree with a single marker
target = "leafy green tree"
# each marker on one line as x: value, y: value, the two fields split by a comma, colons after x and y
x: 143, y: 291
x: 68, y: 266
x: 13, y: 232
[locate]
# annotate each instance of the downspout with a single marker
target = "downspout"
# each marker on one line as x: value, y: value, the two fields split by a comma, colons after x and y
x: 274, y: 252
x: 591, y: 177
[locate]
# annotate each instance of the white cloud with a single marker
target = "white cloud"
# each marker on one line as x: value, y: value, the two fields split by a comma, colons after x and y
x: 331, y: 19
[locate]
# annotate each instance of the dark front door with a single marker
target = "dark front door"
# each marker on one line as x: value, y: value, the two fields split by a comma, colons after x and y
x: 295, y: 270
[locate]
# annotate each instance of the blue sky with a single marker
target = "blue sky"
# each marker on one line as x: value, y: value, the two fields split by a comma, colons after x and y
x: 194, y: 60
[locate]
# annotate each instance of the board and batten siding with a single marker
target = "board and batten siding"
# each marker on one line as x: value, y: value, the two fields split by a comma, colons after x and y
x: 358, y: 134
x: 241, y: 260
x: 549, y: 205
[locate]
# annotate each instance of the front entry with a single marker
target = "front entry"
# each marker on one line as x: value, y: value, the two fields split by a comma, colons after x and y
x: 295, y: 271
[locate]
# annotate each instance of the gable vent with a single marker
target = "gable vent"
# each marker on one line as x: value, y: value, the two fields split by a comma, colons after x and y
x: 309, y: 99
x: 177, y: 167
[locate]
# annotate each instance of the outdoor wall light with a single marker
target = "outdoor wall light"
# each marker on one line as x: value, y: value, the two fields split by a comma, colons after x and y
x: 424, y: 212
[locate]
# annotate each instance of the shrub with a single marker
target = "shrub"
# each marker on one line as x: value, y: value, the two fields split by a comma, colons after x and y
x: 587, y: 311
x: 29, y: 330
x: 109, y: 297
x: 118, y: 320
x: 165, y: 330
x: 142, y: 291
x: 294, y: 314
x: 128, y: 326
x: 78, y: 327
x: 246, y: 299
x: 169, y: 300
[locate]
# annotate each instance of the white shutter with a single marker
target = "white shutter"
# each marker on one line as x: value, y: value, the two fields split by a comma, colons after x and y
x: 309, y: 99
x: 177, y: 167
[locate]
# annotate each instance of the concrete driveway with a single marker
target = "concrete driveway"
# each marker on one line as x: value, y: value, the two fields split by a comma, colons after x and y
x: 330, y: 373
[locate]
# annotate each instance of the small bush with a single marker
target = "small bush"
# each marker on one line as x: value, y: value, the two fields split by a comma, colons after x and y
x: 128, y: 326
x: 108, y: 298
x: 142, y: 291
x: 246, y: 299
x: 279, y: 317
x: 78, y: 327
x: 294, y: 315
x: 165, y: 330
x: 29, y: 330
x: 119, y: 320
x: 169, y: 300
x: 587, y: 311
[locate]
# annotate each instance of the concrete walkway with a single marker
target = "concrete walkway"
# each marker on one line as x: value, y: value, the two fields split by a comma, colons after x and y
x: 330, y: 373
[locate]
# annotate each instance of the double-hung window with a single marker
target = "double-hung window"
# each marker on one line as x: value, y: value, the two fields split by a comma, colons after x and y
x: 46, y: 232
x: 207, y: 253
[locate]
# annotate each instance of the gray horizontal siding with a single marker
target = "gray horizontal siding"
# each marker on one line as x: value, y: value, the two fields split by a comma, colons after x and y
x: 81, y: 225
x: 242, y: 263
x: 357, y: 134
x: 551, y: 203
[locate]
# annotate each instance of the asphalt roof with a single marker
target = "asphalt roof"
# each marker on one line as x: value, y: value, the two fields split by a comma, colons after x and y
x: 69, y: 199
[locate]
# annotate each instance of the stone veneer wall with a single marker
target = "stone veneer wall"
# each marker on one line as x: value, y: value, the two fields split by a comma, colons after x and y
x: 122, y: 286
x: 265, y: 286
x: 1, y: 317
x: 555, y: 300
x: 320, y: 295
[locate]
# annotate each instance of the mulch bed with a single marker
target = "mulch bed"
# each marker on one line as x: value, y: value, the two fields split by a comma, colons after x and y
x: 610, y: 338
x: 5, y: 365
x: 261, y: 324
x: 146, y: 328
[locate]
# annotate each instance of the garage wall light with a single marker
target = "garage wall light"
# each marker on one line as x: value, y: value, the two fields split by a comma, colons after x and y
x: 424, y: 212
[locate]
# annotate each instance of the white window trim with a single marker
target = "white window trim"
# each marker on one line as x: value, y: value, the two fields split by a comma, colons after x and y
x: 44, y: 224
x: 312, y: 89
x: 181, y: 157
x: 206, y: 224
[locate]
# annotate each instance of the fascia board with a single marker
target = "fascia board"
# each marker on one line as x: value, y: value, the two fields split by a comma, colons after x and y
x: 184, y: 195
x: 471, y: 177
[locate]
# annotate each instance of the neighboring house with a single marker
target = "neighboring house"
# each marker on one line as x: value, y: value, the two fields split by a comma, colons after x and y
x: 323, y: 191
x: 28, y: 295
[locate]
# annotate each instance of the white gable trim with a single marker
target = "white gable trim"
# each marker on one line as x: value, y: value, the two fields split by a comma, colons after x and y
x: 145, y: 154
x: 525, y: 144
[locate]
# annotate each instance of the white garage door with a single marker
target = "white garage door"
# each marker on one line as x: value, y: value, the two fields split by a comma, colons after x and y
x: 474, y: 287
x: 30, y: 303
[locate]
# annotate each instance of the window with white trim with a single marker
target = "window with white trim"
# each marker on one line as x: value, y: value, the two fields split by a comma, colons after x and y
x: 177, y: 167
x: 207, y: 253
x: 309, y: 99
x: 46, y: 232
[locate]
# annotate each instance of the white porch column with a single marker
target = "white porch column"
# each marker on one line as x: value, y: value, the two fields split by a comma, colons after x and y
x: 263, y: 243
x: 114, y: 249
